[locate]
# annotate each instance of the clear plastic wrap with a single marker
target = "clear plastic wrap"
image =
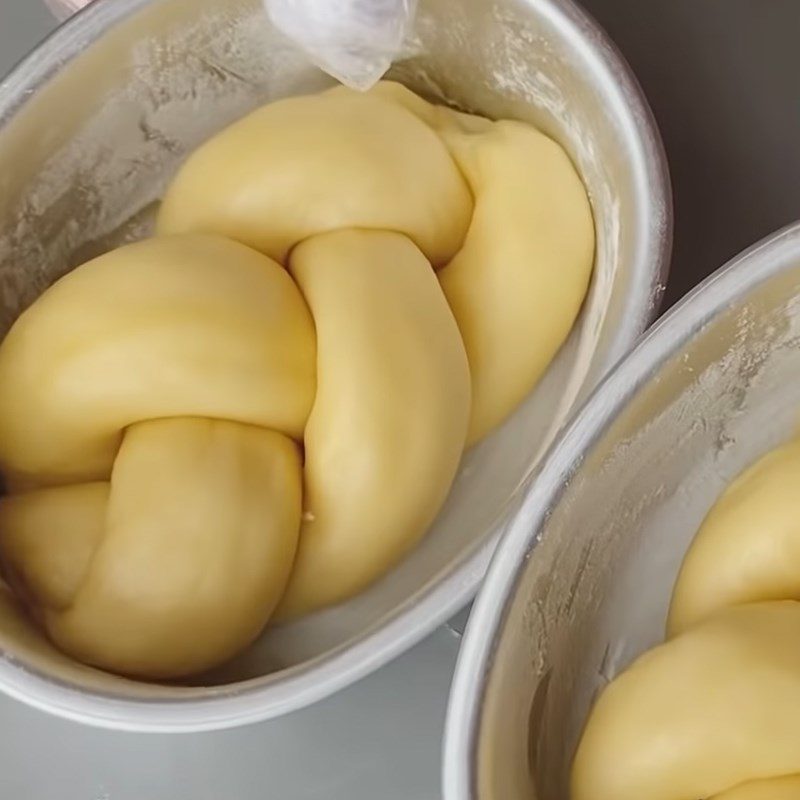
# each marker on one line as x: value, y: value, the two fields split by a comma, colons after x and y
x: 355, y: 41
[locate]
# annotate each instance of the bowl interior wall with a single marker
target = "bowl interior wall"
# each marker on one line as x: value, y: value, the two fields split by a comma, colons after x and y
x: 597, y: 592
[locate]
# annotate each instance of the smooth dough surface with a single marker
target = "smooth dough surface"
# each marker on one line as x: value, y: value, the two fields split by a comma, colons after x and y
x: 498, y: 206
x: 787, y: 788
x: 147, y: 405
x: 258, y: 412
x: 517, y: 283
x: 174, y: 504
x: 176, y: 326
x: 748, y: 547
x: 388, y: 426
x: 308, y: 165
x: 709, y: 710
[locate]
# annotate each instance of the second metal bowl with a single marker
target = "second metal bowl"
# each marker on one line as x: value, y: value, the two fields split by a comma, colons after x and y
x: 581, y: 583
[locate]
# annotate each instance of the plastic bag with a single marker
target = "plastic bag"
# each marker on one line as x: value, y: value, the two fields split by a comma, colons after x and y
x: 355, y: 41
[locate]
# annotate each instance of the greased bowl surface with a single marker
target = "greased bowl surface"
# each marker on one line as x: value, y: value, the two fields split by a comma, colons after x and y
x: 581, y: 583
x: 93, y: 125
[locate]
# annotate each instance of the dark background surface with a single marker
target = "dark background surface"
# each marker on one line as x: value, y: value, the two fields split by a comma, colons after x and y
x: 723, y: 79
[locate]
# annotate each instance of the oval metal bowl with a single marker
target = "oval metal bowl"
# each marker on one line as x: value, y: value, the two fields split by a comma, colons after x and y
x: 92, y: 126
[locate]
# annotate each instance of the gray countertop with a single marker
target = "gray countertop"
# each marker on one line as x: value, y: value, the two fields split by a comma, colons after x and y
x: 722, y: 77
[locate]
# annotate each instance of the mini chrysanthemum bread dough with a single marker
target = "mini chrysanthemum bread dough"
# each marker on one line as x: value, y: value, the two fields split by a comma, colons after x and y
x: 149, y: 402
x: 712, y: 713
x: 389, y: 422
x: 497, y: 206
x: 748, y: 548
x: 307, y: 165
x: 153, y: 403
x: 711, y: 709
x: 520, y: 277
x: 157, y: 428
x: 787, y: 788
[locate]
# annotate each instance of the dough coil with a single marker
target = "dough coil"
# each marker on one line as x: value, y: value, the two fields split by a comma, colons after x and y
x: 259, y: 411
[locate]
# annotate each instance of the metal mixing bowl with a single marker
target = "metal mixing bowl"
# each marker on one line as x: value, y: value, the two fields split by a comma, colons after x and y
x: 581, y: 583
x: 93, y: 125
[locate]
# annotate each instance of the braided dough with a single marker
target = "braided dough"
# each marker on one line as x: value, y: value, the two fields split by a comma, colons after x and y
x: 153, y: 402
x: 713, y: 712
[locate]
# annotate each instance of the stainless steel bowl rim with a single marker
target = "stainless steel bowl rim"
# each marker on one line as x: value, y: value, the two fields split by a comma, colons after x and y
x: 667, y: 337
x: 260, y: 698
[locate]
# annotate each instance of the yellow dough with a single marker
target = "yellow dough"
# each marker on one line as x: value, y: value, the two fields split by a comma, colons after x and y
x: 147, y: 402
x: 712, y: 712
x: 388, y: 426
x: 307, y: 165
x: 703, y: 713
x: 518, y: 282
x: 748, y: 548
x: 179, y: 326
x: 497, y: 205
x: 261, y: 410
x: 775, y: 789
